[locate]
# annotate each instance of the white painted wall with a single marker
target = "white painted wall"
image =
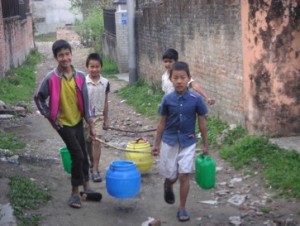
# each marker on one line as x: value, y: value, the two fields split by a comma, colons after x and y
x: 56, y: 13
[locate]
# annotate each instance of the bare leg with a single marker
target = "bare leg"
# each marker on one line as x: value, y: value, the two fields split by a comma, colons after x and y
x: 96, y: 156
x: 184, y: 189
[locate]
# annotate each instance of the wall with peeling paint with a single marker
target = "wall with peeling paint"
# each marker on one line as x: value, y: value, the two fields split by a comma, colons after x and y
x: 271, y: 59
x: 244, y: 53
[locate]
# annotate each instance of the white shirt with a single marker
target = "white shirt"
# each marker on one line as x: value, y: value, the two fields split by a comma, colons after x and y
x: 97, y: 92
x: 167, y: 85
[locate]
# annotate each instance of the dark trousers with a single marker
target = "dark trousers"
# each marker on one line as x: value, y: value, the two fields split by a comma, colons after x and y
x: 74, y: 140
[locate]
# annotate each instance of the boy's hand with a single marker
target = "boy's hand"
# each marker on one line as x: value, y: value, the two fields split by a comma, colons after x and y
x: 155, y: 151
x: 92, y: 131
x: 205, y: 151
x: 210, y: 101
x: 105, y: 125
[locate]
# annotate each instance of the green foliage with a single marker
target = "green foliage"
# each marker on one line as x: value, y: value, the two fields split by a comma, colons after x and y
x: 215, y: 126
x: 26, y: 195
x: 9, y: 141
x: 281, y: 167
x: 143, y: 97
x: 110, y: 68
x: 233, y: 135
x: 91, y: 29
x: 19, y: 83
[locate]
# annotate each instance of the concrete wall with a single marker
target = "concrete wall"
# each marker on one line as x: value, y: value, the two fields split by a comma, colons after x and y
x: 271, y: 45
x: 2, y: 44
x: 48, y: 15
x: 207, y: 35
x: 16, y: 41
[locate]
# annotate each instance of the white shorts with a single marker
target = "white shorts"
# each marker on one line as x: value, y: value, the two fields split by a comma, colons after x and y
x: 174, y: 160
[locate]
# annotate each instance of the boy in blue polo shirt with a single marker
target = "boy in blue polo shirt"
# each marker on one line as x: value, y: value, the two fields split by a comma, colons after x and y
x: 175, y: 139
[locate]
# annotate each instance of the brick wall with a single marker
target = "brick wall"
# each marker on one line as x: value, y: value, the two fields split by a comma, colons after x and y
x: 16, y: 40
x: 207, y: 35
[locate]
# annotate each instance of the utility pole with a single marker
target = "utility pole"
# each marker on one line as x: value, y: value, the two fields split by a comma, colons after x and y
x: 131, y: 43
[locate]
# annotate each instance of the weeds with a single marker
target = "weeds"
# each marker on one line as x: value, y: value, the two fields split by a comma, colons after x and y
x: 26, y: 196
x: 280, y: 167
x: 110, y: 68
x: 50, y: 37
x: 143, y: 97
x: 19, y: 83
x: 9, y: 141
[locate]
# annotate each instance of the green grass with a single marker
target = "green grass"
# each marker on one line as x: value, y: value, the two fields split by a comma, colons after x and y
x: 215, y: 126
x: 281, y: 167
x: 19, y: 83
x: 143, y: 97
x: 25, y: 196
x: 11, y: 142
x: 110, y: 68
x: 50, y: 37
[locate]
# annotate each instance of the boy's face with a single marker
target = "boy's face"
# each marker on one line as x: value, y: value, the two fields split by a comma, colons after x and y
x: 180, y: 80
x: 64, y: 58
x: 168, y: 63
x: 94, y: 68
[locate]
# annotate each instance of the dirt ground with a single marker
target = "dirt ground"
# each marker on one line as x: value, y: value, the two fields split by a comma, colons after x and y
x: 41, y: 162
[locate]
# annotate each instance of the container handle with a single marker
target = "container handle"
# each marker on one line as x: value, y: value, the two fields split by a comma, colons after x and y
x: 141, y: 138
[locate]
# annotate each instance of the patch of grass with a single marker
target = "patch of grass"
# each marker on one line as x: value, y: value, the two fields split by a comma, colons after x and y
x: 215, y: 126
x: 19, y: 83
x: 143, y: 97
x: 266, y: 209
x: 110, y: 68
x: 50, y: 37
x: 281, y: 167
x: 9, y: 141
x: 25, y: 196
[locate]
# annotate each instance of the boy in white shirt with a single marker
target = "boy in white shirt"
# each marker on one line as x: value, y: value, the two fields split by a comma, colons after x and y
x: 169, y: 58
x: 98, y: 89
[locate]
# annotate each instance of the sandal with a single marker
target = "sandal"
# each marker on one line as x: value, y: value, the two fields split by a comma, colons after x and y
x: 74, y: 201
x: 90, y: 195
x: 182, y: 216
x: 168, y: 194
x: 96, y: 178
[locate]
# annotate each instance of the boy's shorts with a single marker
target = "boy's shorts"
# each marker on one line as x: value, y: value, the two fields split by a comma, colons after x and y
x: 98, y: 122
x: 174, y: 160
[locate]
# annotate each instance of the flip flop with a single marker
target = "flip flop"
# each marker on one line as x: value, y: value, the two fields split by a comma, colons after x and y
x: 168, y: 194
x: 74, y: 201
x: 90, y: 195
x: 182, y: 216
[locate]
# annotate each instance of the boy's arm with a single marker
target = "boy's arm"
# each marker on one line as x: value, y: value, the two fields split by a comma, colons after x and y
x: 40, y: 97
x: 202, y: 128
x: 159, y: 132
x: 105, y: 112
x: 197, y: 88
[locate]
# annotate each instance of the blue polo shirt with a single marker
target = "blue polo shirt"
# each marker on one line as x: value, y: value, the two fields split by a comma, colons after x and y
x: 181, y: 111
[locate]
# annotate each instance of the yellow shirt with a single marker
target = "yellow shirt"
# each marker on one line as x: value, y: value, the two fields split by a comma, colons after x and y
x: 68, y: 106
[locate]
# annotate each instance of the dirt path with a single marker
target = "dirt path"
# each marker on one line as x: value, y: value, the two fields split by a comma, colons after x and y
x: 42, y: 162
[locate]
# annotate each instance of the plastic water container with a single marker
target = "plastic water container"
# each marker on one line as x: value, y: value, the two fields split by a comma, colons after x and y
x: 66, y: 159
x: 123, y: 180
x: 205, y: 175
x: 143, y: 157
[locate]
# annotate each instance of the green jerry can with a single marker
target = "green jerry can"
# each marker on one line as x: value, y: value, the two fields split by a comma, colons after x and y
x: 205, y: 175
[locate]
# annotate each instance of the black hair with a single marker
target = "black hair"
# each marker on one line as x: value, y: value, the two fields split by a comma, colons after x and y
x: 170, y: 54
x: 93, y: 56
x: 59, y: 45
x: 180, y: 66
